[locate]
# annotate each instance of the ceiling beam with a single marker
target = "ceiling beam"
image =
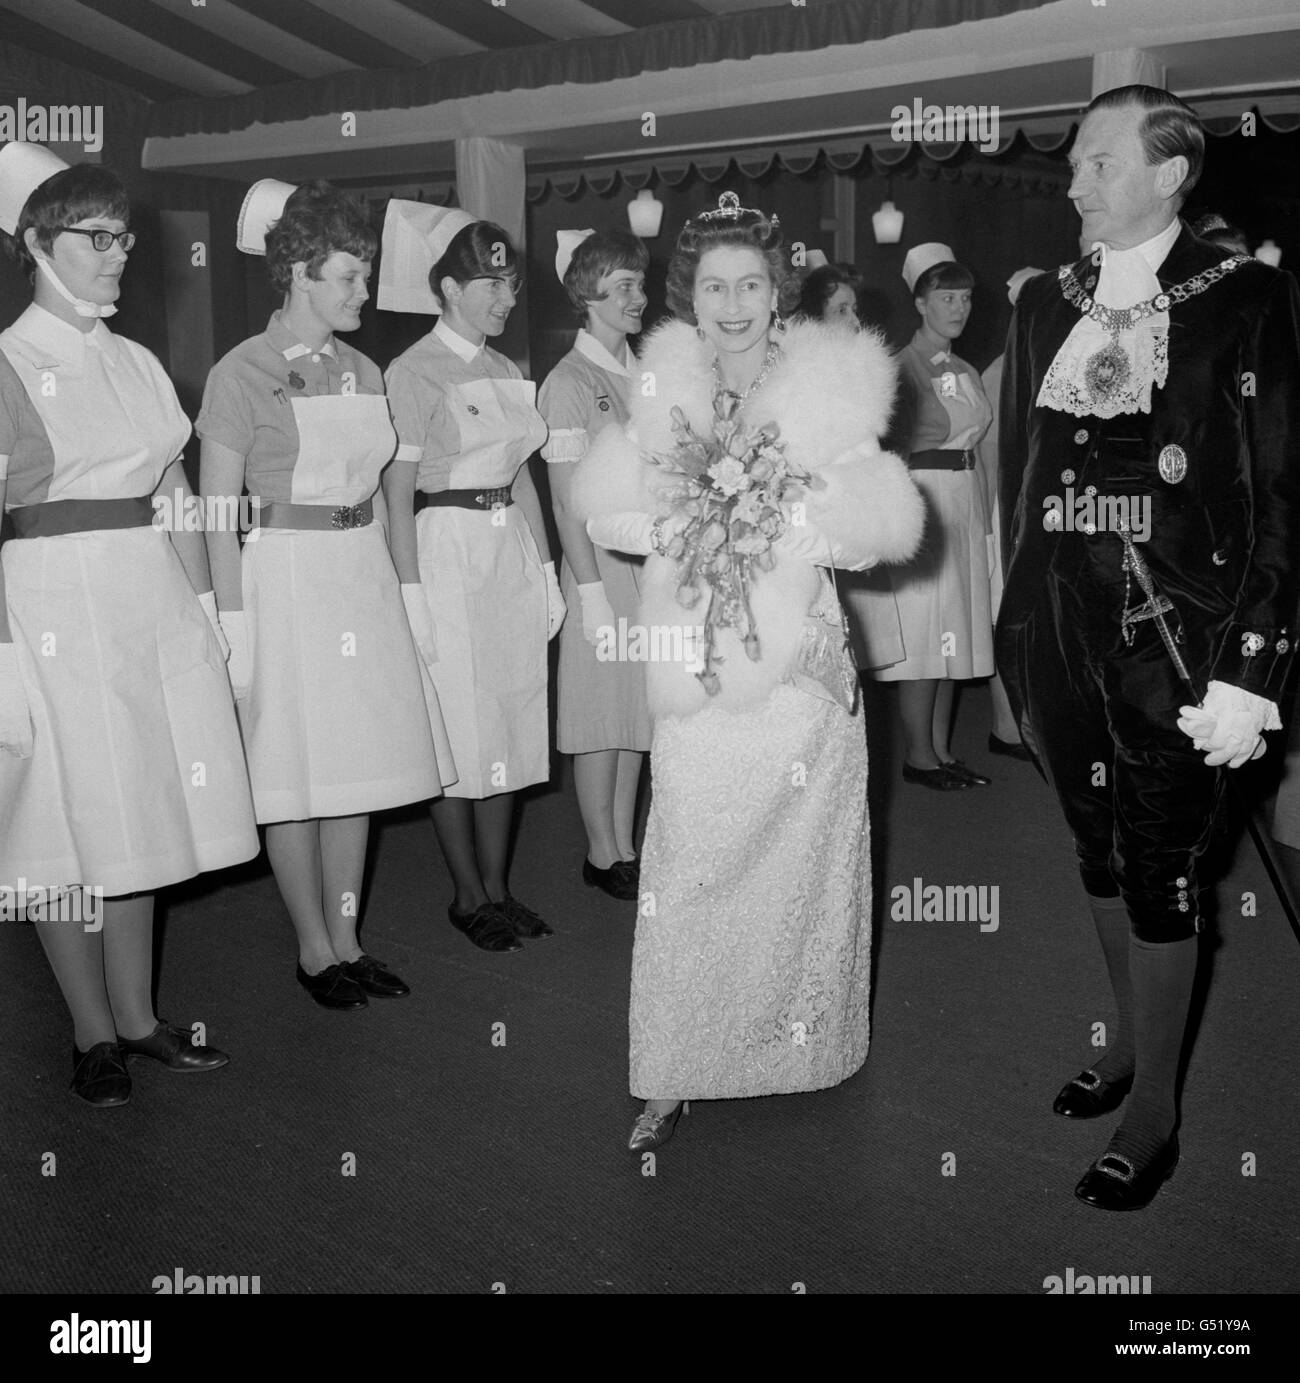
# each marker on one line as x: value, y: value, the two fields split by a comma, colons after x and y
x: 638, y: 15
x: 36, y: 38
x: 491, y: 25
x: 200, y: 45
x: 322, y: 30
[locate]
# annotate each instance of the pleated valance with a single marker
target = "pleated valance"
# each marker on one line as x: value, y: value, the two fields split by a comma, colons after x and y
x: 792, y: 28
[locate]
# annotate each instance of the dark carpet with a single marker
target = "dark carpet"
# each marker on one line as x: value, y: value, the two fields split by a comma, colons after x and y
x: 484, y: 1119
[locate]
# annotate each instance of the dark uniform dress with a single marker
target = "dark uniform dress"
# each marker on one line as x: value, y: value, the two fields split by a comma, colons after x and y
x: 602, y: 702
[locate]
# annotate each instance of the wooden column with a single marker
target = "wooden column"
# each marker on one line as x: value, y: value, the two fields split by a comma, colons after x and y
x: 1125, y: 67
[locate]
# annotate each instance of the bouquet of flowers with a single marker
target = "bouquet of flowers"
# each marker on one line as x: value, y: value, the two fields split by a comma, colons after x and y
x: 730, y: 489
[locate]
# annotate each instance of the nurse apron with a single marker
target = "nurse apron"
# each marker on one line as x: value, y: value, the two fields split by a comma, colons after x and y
x: 136, y: 778
x: 483, y: 578
x: 943, y: 593
x: 335, y: 722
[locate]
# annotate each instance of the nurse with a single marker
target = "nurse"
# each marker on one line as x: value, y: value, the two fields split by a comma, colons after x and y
x: 120, y: 764
x: 943, y: 594
x: 603, y: 720
x: 467, y: 525
x: 337, y: 718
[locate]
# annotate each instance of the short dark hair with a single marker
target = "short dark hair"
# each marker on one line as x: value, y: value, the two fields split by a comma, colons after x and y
x: 598, y: 255
x: 480, y: 250
x: 319, y: 220
x: 949, y: 274
x: 78, y: 193
x: 750, y: 230
x: 1217, y: 231
x: 818, y: 288
x: 1169, y: 127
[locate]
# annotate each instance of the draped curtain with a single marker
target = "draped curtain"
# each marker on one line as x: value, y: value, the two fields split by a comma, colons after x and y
x: 688, y: 43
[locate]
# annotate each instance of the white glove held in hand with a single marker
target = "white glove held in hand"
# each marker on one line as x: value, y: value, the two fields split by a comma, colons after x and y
x: 15, y: 714
x: 1228, y: 725
x: 597, y: 612
x: 556, y: 609
x: 815, y: 547
x: 420, y: 618
x: 208, y: 600
x: 238, y: 665
x: 628, y: 530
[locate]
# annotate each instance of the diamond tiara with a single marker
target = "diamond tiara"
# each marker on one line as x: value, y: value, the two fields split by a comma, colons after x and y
x: 729, y: 209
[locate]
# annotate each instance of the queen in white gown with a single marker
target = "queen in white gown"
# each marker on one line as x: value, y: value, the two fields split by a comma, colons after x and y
x: 751, y: 967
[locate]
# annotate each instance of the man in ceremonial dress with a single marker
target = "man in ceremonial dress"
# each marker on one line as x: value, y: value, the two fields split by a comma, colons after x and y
x: 1159, y: 377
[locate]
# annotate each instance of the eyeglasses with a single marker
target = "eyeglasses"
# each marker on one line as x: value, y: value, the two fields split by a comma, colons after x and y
x: 103, y: 240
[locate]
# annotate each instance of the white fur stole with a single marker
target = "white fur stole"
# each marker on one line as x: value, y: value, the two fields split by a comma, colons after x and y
x: 831, y: 394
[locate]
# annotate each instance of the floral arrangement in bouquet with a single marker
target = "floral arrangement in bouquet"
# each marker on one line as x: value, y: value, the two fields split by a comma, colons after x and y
x: 731, y: 487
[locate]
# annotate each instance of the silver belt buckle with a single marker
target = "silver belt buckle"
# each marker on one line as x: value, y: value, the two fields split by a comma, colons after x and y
x: 491, y: 499
x: 346, y: 516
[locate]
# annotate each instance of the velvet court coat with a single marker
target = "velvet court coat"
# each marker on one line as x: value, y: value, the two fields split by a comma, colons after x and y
x: 1224, y: 541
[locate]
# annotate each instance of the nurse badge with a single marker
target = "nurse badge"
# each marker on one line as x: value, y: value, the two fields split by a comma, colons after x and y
x: 948, y: 385
x: 1172, y: 464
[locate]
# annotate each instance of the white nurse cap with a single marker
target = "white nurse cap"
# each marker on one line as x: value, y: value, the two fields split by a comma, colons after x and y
x: 923, y: 257
x: 568, y: 242
x: 1018, y: 280
x: 815, y: 259
x: 416, y: 236
x: 23, y: 168
x: 263, y: 207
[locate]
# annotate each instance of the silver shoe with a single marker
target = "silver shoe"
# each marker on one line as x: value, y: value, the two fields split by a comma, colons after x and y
x: 654, y: 1130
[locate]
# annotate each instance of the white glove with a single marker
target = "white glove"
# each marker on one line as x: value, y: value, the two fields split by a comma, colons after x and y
x: 15, y: 713
x: 597, y: 612
x: 239, y: 664
x: 631, y: 530
x: 815, y: 547
x: 208, y: 600
x: 420, y: 618
x: 556, y: 609
x: 1228, y: 724
x: 627, y: 530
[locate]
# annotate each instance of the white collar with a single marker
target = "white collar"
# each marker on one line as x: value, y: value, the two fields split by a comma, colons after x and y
x: 297, y: 349
x: 586, y: 344
x: 278, y: 332
x: 1129, y: 276
x: 922, y: 348
x: 455, y: 342
x: 39, y: 327
x: 1102, y: 371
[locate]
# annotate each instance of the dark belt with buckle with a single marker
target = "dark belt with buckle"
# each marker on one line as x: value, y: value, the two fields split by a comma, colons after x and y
x: 941, y: 459
x: 56, y: 517
x: 322, y: 517
x: 498, y: 497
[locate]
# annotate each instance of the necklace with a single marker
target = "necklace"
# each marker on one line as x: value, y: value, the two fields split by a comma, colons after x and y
x: 1108, y: 369
x: 1115, y: 320
x: 770, y: 359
